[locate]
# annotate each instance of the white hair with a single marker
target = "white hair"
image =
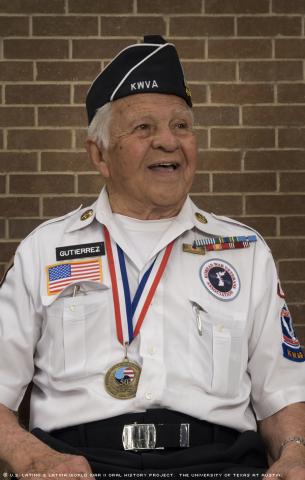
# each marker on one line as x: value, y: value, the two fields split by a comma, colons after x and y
x: 98, y: 130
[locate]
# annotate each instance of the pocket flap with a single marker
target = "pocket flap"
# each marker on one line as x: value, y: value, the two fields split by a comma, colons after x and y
x: 83, y: 288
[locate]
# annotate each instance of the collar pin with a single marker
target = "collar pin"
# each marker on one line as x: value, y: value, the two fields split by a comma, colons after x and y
x: 87, y: 214
x: 201, y: 218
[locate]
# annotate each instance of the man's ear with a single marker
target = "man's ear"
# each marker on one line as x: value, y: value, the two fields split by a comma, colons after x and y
x: 97, y: 157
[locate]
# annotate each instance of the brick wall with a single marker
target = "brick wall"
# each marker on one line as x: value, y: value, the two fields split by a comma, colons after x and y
x: 244, y: 60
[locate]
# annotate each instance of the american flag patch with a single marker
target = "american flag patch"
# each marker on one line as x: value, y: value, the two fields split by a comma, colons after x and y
x: 61, y: 275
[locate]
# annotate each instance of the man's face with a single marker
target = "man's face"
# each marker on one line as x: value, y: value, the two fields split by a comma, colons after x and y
x: 151, y: 159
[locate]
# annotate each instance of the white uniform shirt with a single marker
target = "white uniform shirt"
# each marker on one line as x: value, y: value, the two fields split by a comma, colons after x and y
x: 67, y: 344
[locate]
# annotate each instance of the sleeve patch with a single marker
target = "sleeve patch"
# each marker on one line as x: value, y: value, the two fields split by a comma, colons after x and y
x: 291, y: 346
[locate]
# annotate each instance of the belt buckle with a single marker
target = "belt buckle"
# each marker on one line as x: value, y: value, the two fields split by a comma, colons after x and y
x: 139, y: 436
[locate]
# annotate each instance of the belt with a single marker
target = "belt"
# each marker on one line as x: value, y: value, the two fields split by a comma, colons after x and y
x: 156, y: 429
x: 149, y: 436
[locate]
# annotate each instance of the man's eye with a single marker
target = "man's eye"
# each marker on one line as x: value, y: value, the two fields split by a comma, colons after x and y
x: 143, y: 126
x: 182, y: 125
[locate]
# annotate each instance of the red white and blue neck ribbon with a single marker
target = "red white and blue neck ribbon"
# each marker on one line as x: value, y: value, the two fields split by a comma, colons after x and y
x: 139, y: 305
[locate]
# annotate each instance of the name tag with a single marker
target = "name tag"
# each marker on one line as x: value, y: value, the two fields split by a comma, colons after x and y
x: 80, y: 251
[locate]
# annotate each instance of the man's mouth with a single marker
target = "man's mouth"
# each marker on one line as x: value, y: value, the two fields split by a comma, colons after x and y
x: 164, y: 166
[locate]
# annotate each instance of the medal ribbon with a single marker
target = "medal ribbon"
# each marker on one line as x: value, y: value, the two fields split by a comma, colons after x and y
x: 132, y: 305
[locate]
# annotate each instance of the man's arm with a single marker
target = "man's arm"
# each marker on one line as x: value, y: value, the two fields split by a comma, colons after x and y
x: 289, y: 461
x: 25, y: 454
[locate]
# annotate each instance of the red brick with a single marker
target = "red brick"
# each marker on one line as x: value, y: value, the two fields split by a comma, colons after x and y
x: 291, y: 93
x: 294, y: 292
x: 199, y: 93
x: 41, y: 183
x: 98, y: 48
x: 63, y: 116
x: 218, y: 160
x: 216, y: 115
x: 293, y: 6
x: 168, y: 6
x: 290, y: 48
x: 292, y: 226
x: 242, y: 137
x: 209, y: 71
x: 229, y: 205
x: 67, y: 71
x: 266, y: 226
x: 292, y: 270
x: 36, y: 139
x: 7, y: 250
x: 65, y: 162
x: 2, y: 183
x: 32, y: 6
x: 21, y: 227
x: 34, y: 48
x: 275, y: 160
x: 287, y: 248
x: 292, y: 182
x: 80, y: 93
x: 18, y: 162
x: 275, y: 204
x: 269, y: 26
x: 13, y: 26
x: 81, y: 136
x: 237, y: 48
x: 2, y: 270
x: 244, y: 182
x: 236, y: 6
x: 56, y: 206
x: 201, y: 183
x: 190, y: 48
x: 10, y: 71
x: 202, y: 137
x: 37, y: 94
x: 297, y: 313
x: 270, y: 70
x: 201, y: 26
x: 292, y: 137
x: 65, y: 26
x: 127, y: 26
x: 2, y: 228
x: 19, y: 207
x: 241, y: 94
x: 287, y: 115
x: 90, y: 184
x: 16, y: 116
x: 96, y: 6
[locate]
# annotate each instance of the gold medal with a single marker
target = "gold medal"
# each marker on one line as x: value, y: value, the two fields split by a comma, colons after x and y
x: 121, y: 380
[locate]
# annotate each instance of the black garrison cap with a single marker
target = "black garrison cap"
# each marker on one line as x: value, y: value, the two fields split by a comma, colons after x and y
x: 149, y: 67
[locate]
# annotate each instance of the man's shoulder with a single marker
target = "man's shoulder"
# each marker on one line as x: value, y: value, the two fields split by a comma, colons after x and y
x: 213, y: 224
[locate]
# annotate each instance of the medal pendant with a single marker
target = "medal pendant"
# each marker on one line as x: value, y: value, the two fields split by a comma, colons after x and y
x: 121, y: 380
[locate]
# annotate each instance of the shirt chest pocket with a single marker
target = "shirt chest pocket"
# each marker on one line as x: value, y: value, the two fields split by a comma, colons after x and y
x: 77, y: 333
x: 217, y: 348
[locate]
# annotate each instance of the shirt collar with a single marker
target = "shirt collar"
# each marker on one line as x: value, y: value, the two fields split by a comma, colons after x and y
x: 190, y: 217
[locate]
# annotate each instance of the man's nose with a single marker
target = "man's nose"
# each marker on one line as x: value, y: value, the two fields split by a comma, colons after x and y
x: 165, y: 138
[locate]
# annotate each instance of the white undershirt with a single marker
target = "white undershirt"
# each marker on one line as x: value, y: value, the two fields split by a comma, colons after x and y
x: 144, y: 234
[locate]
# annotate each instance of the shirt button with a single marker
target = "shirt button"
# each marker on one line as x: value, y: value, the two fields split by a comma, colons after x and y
x: 152, y: 350
x: 148, y: 396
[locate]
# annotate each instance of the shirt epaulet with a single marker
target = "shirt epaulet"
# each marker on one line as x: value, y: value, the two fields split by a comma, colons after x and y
x: 236, y: 222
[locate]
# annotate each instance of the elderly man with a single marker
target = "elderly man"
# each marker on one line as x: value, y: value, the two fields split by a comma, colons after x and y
x: 157, y: 335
